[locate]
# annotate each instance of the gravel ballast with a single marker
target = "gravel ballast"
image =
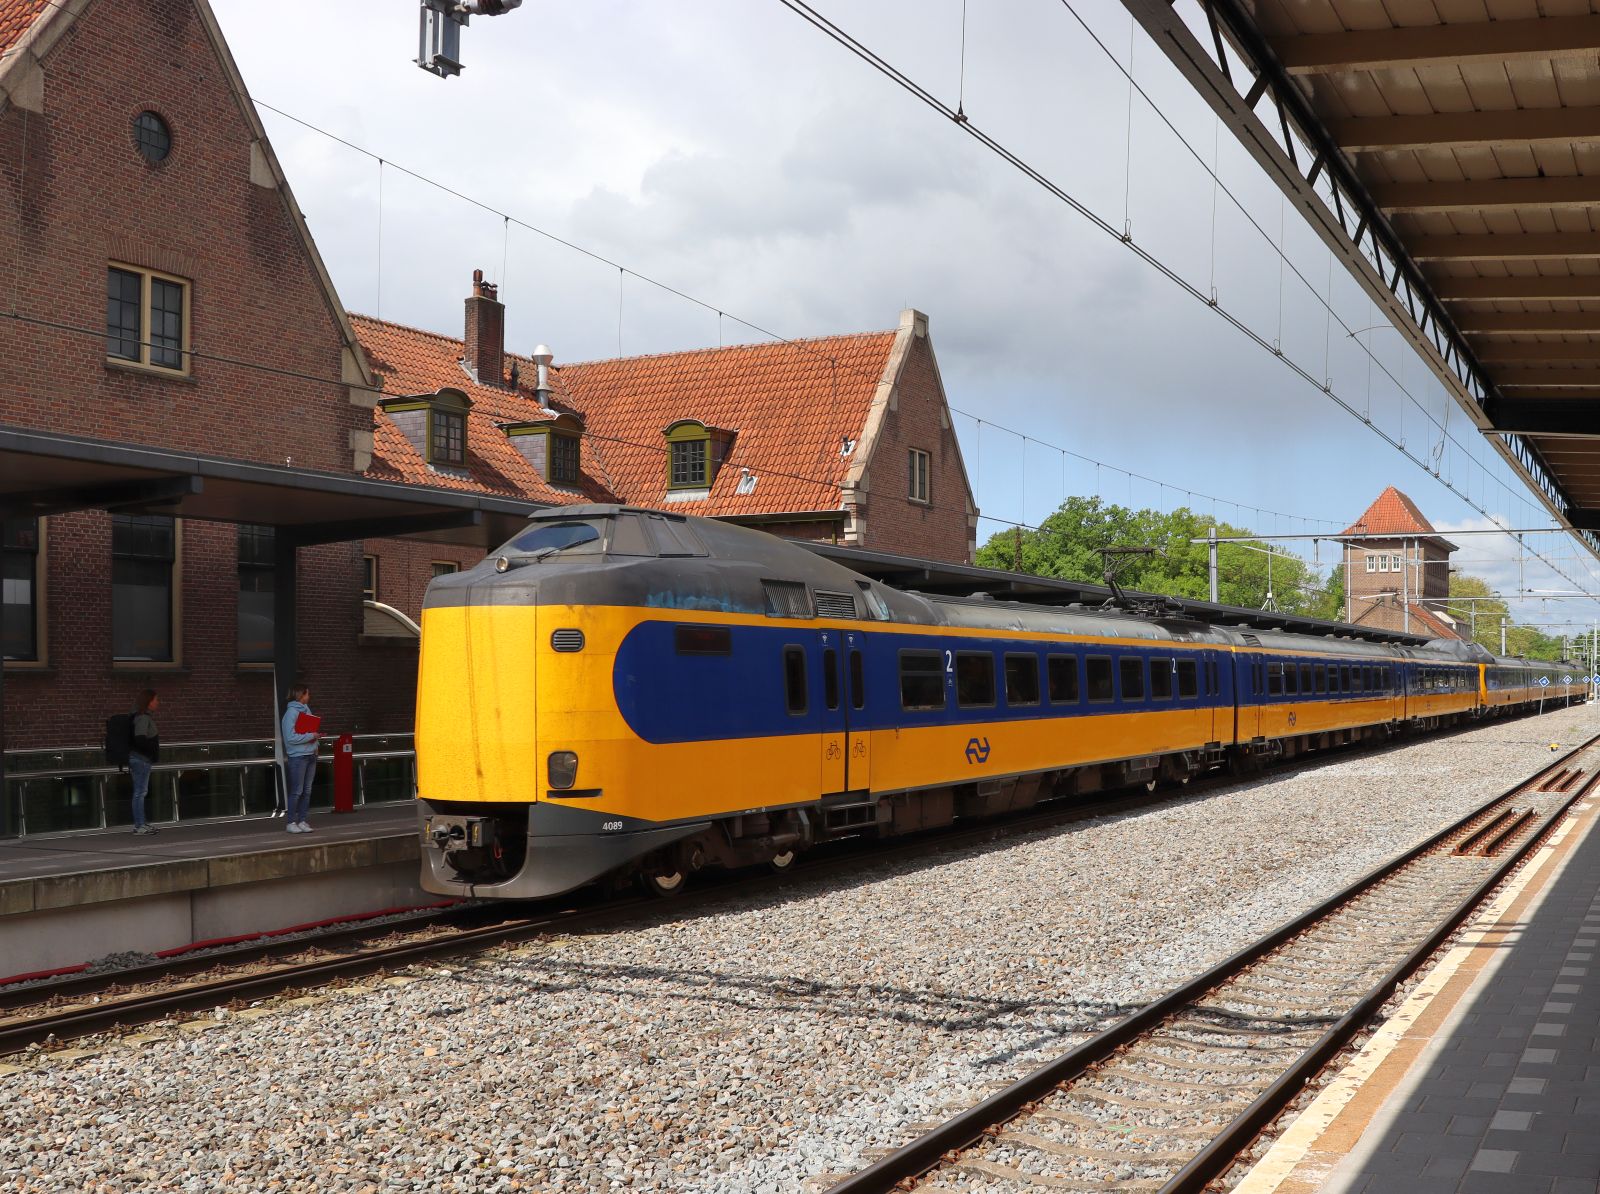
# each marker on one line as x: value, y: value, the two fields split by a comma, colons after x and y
x: 749, y: 1047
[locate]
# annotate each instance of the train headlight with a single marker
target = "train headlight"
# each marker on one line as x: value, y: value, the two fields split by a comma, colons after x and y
x: 502, y: 564
x: 563, y: 768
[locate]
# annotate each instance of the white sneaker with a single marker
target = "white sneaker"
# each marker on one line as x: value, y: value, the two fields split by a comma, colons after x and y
x: 305, y: 827
x: 295, y: 828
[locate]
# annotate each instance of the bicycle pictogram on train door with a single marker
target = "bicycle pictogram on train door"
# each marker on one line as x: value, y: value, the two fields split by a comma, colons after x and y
x: 845, y: 747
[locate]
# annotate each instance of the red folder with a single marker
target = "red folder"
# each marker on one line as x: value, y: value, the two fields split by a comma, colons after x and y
x: 307, y: 723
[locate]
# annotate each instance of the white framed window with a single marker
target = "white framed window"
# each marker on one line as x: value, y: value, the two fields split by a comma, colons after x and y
x: 1372, y: 562
x: 1383, y: 563
x: 918, y: 475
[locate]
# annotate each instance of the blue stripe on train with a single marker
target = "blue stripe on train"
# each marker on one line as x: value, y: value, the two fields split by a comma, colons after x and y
x: 667, y: 697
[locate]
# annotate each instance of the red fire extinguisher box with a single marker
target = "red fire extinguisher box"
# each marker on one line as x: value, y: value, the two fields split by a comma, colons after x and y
x: 344, y: 775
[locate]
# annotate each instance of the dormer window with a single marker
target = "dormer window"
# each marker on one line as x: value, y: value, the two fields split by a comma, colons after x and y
x: 552, y: 446
x: 448, y: 437
x: 695, y: 452
x: 435, y: 424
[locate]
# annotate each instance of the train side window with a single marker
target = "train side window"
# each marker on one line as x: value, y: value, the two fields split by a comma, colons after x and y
x: 921, y: 680
x: 1131, y: 668
x: 974, y: 678
x: 1368, y: 680
x: 1257, y: 679
x: 1274, y: 679
x: 1062, y: 676
x: 1189, y: 679
x: 1344, y: 677
x: 1319, y: 676
x: 703, y: 640
x: 794, y: 678
x: 858, y: 682
x: 1212, y: 688
x: 1098, y: 674
x: 1305, y: 678
x: 1291, y: 680
x: 1022, y: 679
x: 1161, y: 679
x: 830, y: 678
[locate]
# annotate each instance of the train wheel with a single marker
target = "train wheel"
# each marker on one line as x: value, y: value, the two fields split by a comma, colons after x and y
x: 781, y: 861
x: 664, y: 880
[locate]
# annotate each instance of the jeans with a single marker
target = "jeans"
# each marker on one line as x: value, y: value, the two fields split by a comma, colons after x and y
x: 299, y: 773
x: 139, y: 769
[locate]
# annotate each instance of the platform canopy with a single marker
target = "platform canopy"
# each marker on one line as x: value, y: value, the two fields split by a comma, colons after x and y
x: 1453, y: 163
x: 42, y: 473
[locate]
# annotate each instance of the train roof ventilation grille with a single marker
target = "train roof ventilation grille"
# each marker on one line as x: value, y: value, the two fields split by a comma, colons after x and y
x: 835, y: 605
x: 787, y: 599
x: 1251, y: 639
x: 566, y: 641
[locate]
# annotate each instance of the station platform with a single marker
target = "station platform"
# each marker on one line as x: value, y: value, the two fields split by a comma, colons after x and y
x: 71, y: 898
x: 1487, y: 1079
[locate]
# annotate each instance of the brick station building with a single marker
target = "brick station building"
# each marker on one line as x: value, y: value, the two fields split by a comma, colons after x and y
x: 1397, y: 569
x: 173, y: 330
x: 842, y: 439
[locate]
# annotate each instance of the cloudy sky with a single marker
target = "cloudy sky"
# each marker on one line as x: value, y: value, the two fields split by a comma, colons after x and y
x: 730, y: 151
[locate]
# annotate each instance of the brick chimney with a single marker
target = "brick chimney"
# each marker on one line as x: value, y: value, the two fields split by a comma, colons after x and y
x: 486, y: 329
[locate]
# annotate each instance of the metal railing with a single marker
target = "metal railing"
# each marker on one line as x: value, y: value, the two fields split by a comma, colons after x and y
x: 71, y: 789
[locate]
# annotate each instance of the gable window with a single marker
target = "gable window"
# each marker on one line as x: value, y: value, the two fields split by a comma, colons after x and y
x: 445, y: 567
x: 255, y: 594
x: 147, y: 318
x: 369, y: 578
x: 19, y: 588
x: 151, y: 137
x: 918, y: 471
x: 143, y: 550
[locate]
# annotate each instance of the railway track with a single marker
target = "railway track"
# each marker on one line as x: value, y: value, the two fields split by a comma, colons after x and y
x: 1169, y: 1098
x: 84, y: 1004
x: 52, y: 1013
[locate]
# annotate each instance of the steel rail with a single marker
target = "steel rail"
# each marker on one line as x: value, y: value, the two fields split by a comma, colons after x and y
x: 927, y: 1151
x: 77, y: 1021
x: 80, y: 1021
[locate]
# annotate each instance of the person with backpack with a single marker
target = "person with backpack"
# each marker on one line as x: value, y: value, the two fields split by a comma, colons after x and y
x: 144, y: 748
x: 300, y: 757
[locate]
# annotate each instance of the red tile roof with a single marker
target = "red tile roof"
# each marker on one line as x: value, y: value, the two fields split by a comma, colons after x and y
x: 790, y: 406
x: 16, y: 16
x: 1392, y: 514
x: 409, y: 361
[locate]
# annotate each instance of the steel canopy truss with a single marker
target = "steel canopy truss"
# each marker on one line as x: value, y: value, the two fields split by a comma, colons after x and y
x: 1264, y: 91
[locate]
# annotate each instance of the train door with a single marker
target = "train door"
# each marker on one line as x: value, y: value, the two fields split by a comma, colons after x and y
x: 846, y: 749
x: 858, y: 764
x: 835, y: 739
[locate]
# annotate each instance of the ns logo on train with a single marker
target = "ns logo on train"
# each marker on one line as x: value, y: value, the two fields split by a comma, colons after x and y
x: 977, y: 750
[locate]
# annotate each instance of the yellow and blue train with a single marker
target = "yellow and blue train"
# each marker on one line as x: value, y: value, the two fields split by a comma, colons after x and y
x: 625, y: 691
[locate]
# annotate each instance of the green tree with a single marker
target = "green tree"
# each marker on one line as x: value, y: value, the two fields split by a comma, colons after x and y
x: 1068, y: 545
x: 1481, y: 618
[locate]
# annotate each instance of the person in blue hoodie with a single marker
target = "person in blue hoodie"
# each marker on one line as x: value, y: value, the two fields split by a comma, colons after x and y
x: 300, y: 762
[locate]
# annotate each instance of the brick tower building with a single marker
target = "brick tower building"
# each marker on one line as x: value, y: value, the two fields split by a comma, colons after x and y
x: 1397, y: 571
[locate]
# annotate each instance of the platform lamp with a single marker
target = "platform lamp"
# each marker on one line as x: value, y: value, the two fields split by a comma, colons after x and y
x: 439, y: 31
